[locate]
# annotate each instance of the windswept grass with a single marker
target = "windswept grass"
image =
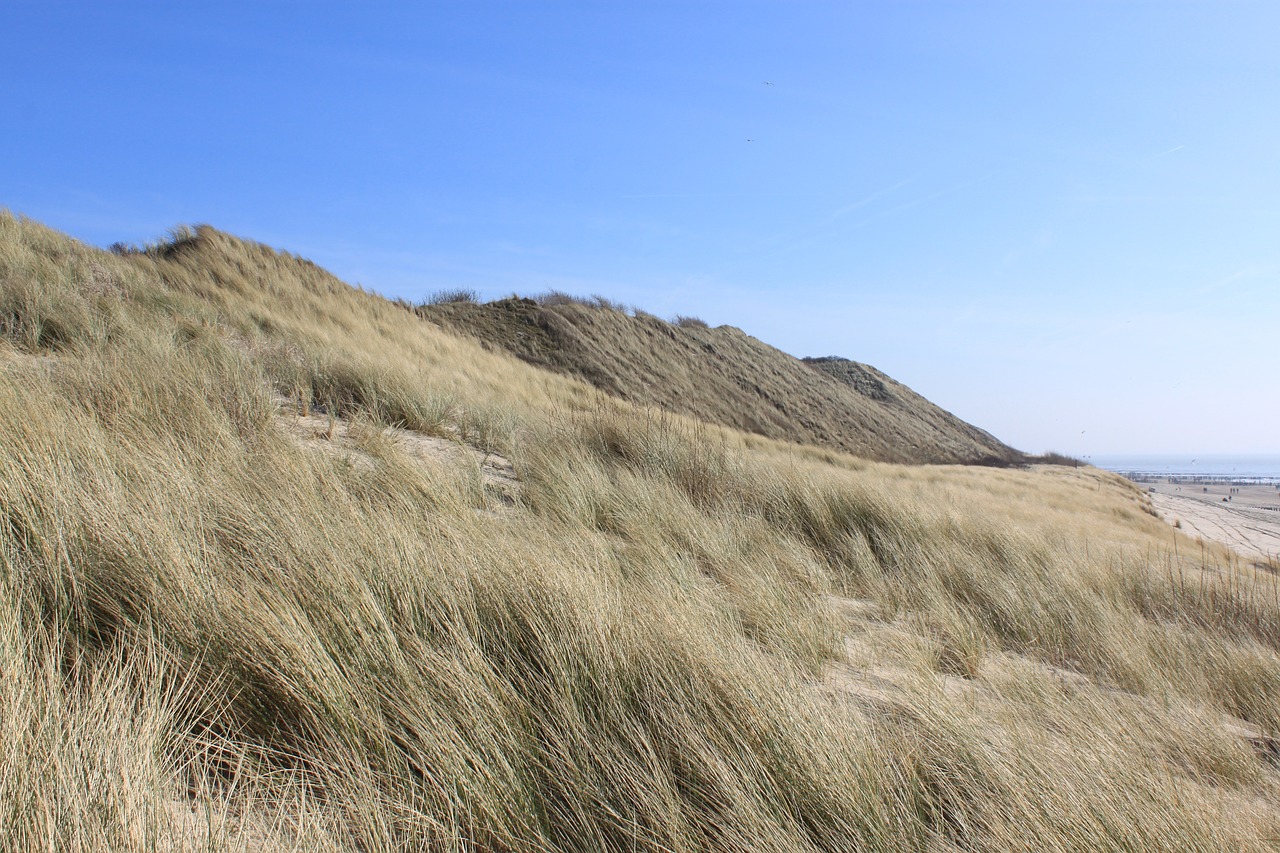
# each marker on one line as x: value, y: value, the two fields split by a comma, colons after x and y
x: 677, y: 637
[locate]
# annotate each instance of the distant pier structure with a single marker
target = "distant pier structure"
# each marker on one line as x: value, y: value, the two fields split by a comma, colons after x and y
x: 1201, y: 479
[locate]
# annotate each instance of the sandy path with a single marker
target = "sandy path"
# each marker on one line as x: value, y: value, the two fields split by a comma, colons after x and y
x: 1249, y: 522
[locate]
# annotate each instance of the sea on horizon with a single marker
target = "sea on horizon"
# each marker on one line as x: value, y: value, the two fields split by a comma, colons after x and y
x: 1263, y: 467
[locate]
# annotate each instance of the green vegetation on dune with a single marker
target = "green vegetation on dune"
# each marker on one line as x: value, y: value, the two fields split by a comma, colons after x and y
x: 227, y: 623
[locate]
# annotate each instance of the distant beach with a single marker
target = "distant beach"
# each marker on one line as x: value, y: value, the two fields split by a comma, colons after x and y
x: 1234, y: 500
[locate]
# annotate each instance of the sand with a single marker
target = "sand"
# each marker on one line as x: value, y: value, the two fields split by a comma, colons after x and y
x: 1249, y: 522
x: 339, y: 437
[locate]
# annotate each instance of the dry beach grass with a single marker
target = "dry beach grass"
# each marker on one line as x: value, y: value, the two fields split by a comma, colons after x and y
x: 657, y: 635
x: 721, y: 375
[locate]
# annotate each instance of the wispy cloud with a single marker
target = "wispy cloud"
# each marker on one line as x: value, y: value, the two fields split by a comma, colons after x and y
x: 931, y: 197
x: 794, y: 237
x: 842, y: 212
x: 833, y: 226
x: 696, y: 195
x: 1241, y: 275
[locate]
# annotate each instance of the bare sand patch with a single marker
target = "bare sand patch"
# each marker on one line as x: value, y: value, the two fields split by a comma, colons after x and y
x: 338, y: 436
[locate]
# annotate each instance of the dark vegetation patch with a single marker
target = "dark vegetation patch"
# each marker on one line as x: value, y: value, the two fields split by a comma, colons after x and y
x: 1054, y: 458
x: 442, y: 297
x: 864, y: 379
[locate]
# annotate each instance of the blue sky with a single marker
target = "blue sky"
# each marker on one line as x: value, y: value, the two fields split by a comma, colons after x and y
x: 1059, y: 220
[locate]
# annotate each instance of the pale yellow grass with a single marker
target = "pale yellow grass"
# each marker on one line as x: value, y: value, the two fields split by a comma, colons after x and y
x: 668, y: 636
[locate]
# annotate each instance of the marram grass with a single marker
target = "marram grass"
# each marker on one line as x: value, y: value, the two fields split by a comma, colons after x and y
x: 217, y: 635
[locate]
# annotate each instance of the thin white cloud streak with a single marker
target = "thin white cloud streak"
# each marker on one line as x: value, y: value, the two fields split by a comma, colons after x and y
x: 926, y: 199
x: 824, y: 229
x: 1252, y: 271
x: 698, y: 195
x: 863, y: 202
x: 792, y: 238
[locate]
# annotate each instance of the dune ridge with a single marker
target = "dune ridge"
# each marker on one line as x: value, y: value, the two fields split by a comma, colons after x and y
x: 724, y: 376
